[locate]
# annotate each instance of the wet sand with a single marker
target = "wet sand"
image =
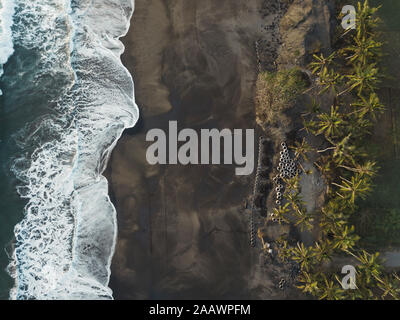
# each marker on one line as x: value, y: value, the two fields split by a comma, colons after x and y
x: 183, y: 230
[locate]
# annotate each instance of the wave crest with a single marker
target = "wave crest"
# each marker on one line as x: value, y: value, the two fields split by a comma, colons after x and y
x: 7, y: 8
x: 66, y: 240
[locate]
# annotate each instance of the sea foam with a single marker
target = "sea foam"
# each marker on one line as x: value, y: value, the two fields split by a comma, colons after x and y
x: 6, y: 21
x: 65, y: 242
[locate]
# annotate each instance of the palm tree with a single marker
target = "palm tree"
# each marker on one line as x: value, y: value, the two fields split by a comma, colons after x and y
x: 342, y: 150
x: 301, y: 149
x: 330, y: 124
x: 389, y: 286
x: 309, y: 126
x: 369, y: 273
x: 326, y: 167
x: 292, y: 185
x: 369, y: 265
x: 368, y: 168
x: 303, y: 255
x: 358, y: 186
x: 308, y: 283
x: 345, y: 239
x: 332, y: 218
x: 363, y: 50
x: 304, y: 220
x: 366, y: 20
x: 323, y: 250
x: 358, y: 126
x: 281, y: 213
x: 283, y: 249
x: 329, y: 80
x: 320, y: 63
x: 294, y: 199
x: 371, y: 106
x: 364, y: 78
x: 330, y: 290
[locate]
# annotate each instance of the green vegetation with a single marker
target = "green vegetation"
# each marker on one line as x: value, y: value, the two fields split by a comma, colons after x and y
x: 378, y: 218
x: 351, y: 75
x: 379, y: 227
x: 276, y: 92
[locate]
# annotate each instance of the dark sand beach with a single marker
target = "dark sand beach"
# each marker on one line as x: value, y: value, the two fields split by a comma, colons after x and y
x: 183, y: 230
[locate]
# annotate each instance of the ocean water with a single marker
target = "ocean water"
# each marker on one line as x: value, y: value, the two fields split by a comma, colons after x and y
x: 66, y: 99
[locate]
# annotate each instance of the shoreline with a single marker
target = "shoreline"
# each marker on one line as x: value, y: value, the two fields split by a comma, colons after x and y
x: 64, y: 138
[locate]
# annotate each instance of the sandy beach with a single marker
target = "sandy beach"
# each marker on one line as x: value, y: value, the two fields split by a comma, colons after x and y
x: 183, y: 230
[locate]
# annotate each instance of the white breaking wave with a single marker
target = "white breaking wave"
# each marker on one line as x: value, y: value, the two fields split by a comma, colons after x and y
x: 66, y: 240
x: 6, y: 21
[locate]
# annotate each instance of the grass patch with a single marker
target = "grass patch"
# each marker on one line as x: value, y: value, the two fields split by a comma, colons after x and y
x: 276, y: 92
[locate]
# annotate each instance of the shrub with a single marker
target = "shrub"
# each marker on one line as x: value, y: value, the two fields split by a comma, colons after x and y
x: 276, y: 92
